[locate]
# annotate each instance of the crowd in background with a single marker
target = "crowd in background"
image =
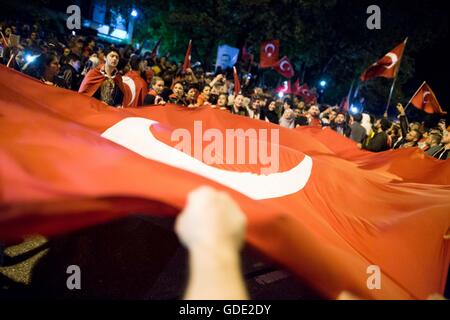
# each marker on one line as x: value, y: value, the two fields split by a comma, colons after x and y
x: 122, y: 76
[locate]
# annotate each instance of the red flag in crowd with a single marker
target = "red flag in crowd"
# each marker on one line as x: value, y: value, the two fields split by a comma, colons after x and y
x: 187, y: 57
x: 387, y: 66
x: 297, y: 88
x: 269, y: 53
x: 345, y: 104
x: 155, y: 49
x: 65, y: 168
x: 136, y: 89
x: 306, y: 93
x: 284, y: 67
x: 424, y: 99
x: 285, y: 88
x: 237, y: 83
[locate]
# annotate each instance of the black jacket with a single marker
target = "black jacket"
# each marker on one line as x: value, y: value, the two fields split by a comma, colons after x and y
x: 378, y: 143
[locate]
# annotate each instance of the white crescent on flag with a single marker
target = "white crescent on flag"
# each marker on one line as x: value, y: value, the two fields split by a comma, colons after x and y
x: 425, y: 97
x: 394, y: 60
x: 134, y: 134
x: 266, y: 49
x: 283, y: 63
x: 130, y: 83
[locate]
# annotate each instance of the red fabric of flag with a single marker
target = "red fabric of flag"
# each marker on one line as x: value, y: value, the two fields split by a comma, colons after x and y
x: 328, y: 211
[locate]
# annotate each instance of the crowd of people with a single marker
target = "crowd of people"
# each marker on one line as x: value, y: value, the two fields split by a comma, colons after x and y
x: 105, y: 71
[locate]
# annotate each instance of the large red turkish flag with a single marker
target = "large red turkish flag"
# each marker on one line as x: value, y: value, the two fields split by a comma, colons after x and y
x: 327, y: 211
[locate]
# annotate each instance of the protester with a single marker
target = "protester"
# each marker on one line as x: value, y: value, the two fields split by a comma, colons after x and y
x: 105, y: 82
x: 46, y: 68
x: 137, y: 85
x: 71, y: 72
x: 86, y: 67
x: 154, y: 94
x: 212, y: 228
x: 177, y: 97
x: 340, y: 125
x: 358, y: 132
x: 379, y: 142
x: 268, y: 113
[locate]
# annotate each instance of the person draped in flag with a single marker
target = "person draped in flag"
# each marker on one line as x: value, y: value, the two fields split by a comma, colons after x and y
x: 105, y: 82
x: 138, y: 84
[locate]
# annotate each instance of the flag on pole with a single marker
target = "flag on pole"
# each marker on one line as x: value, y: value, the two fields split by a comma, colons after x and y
x: 306, y: 93
x: 269, y: 53
x: 187, y: 57
x: 237, y: 83
x: 424, y: 99
x: 284, y: 67
x: 387, y: 66
x: 285, y: 88
x: 155, y: 49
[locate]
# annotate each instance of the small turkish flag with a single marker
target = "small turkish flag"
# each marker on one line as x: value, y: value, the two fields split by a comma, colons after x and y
x: 187, y: 57
x: 237, y: 83
x: 387, y: 66
x: 285, y: 88
x: 425, y: 100
x: 284, y: 67
x: 269, y: 53
x: 304, y: 92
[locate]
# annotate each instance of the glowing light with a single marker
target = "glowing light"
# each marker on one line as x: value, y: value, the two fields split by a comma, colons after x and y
x: 323, y: 83
x: 134, y: 13
x: 29, y: 58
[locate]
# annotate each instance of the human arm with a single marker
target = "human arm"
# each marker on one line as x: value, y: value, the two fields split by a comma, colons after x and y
x: 212, y: 228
